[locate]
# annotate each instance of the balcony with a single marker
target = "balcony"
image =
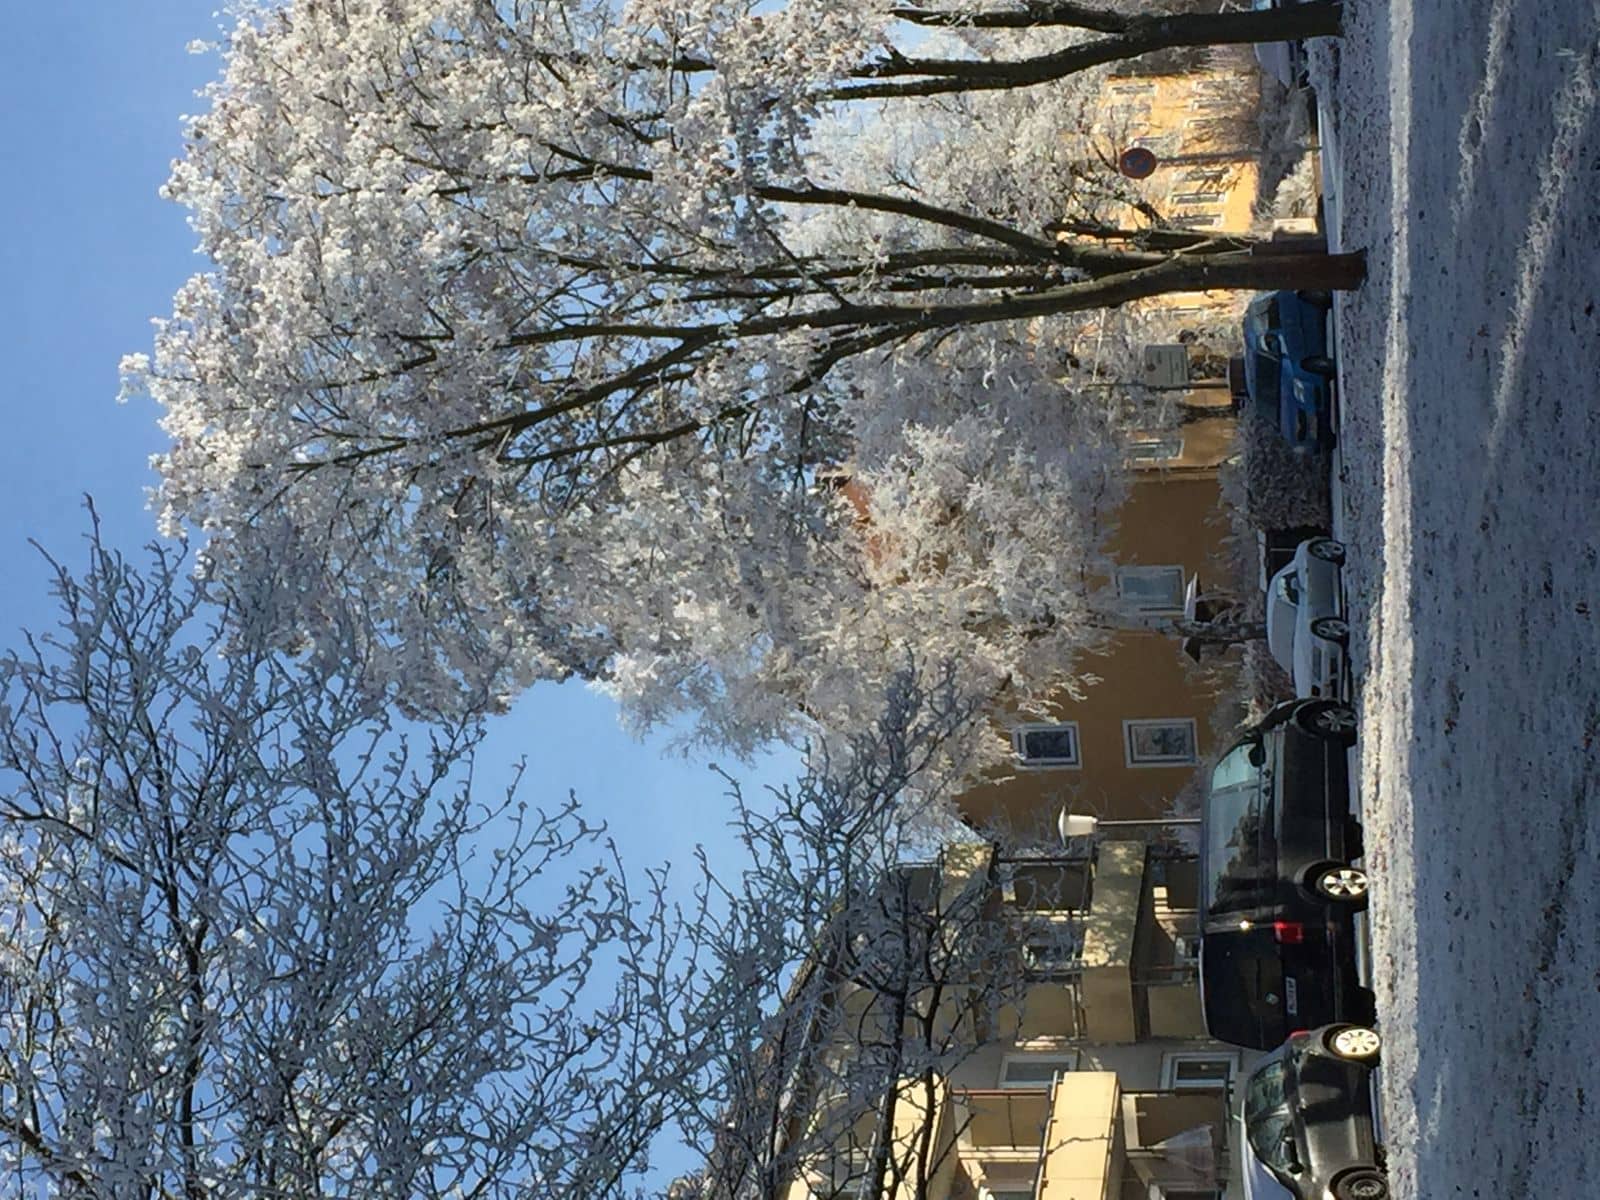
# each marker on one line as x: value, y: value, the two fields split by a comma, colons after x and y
x: 1178, y: 1140
x: 1084, y: 1138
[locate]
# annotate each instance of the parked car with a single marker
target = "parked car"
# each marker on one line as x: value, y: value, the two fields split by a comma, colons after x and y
x: 1288, y: 373
x: 1307, y: 1116
x: 1284, y: 61
x: 1279, y: 887
x: 1307, y: 626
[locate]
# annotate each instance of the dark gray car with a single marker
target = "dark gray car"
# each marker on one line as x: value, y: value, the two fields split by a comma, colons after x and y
x: 1307, y: 1115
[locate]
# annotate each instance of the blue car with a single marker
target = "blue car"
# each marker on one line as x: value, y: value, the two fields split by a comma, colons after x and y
x: 1288, y: 373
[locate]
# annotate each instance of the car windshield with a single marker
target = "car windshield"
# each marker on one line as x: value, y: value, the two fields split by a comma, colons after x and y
x: 1268, y: 1121
x: 1231, y: 829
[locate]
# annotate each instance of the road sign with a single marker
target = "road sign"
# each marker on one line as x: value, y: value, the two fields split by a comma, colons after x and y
x: 1137, y: 162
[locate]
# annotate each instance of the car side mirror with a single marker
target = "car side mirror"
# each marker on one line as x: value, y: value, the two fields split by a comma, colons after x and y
x: 1256, y: 755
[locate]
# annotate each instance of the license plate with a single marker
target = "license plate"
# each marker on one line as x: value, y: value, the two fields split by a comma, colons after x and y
x: 1291, y: 997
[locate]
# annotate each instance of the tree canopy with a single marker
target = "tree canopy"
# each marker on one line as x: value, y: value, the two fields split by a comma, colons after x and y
x: 565, y: 337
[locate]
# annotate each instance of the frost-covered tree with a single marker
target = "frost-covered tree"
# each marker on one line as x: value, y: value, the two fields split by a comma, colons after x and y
x: 255, y: 943
x: 550, y: 335
x: 896, y: 950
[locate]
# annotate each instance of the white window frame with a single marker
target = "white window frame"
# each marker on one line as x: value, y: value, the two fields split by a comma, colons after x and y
x: 1132, y: 760
x: 1067, y: 1060
x: 1004, y: 1192
x: 1173, y: 1061
x: 1019, y: 746
x: 1161, y: 572
x: 1154, y: 451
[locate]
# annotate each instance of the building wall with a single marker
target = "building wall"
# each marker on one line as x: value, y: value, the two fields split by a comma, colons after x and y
x: 1171, y: 518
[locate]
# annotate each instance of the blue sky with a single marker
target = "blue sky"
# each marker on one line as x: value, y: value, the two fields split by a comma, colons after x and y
x: 94, y: 92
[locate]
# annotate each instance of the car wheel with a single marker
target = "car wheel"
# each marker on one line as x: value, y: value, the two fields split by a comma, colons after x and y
x: 1363, y: 1183
x: 1326, y: 549
x: 1316, y: 296
x: 1354, y: 1043
x: 1331, y: 629
x: 1319, y: 364
x: 1339, y: 883
x: 1331, y: 720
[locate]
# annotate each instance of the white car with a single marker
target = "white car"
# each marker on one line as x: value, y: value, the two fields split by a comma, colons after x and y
x: 1307, y: 627
x: 1284, y: 61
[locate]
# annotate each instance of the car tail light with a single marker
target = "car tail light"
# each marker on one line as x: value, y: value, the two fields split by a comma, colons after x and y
x: 1288, y: 933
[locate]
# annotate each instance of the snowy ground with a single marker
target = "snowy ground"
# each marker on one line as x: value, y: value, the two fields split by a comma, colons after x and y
x: 1469, y: 146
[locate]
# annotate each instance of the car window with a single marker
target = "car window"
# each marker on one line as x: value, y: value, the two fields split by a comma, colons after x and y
x: 1235, y: 767
x: 1269, y: 380
x: 1241, y: 986
x: 1289, y: 587
x: 1271, y: 1136
x: 1266, y: 1090
x: 1232, y: 869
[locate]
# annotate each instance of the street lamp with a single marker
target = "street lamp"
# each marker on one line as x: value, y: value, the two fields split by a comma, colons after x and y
x: 1071, y: 825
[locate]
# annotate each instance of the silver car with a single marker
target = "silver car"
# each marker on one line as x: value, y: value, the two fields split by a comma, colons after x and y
x: 1307, y: 626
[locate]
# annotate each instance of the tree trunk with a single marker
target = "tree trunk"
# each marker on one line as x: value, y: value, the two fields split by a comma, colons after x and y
x: 1229, y: 271
x: 911, y: 76
x: 1293, y: 21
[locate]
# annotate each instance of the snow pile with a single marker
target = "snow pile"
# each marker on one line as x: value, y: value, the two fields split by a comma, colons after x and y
x: 1470, y: 148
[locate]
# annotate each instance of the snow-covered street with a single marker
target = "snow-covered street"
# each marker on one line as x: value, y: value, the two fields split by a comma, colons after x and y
x: 1469, y: 140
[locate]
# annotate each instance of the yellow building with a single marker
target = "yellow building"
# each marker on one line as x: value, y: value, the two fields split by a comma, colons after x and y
x: 1134, y: 741
x: 1094, y: 1081
x: 1128, y: 747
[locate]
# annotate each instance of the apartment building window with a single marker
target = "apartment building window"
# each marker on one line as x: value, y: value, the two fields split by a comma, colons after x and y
x: 1147, y: 452
x: 1008, y: 1180
x: 1162, y: 143
x: 1047, y: 745
x: 1198, y: 1071
x: 1034, y: 1070
x: 1160, y: 742
x: 1156, y: 589
x: 1054, y: 955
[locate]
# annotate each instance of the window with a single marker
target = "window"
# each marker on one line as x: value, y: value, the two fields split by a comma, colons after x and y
x: 1198, y: 1071
x: 1186, y: 949
x: 1146, y: 452
x: 1151, y: 589
x: 1160, y: 742
x: 1003, y: 1180
x: 1055, y: 954
x: 1035, y: 1070
x: 1047, y: 745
